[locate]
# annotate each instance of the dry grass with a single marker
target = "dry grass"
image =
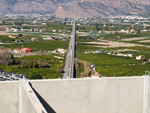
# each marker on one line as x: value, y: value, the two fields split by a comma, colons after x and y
x: 6, y: 33
x: 133, y: 39
x: 145, y: 41
x: 111, y: 44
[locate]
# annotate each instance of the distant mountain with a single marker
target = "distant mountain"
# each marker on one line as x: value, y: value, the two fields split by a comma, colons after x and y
x: 75, y: 8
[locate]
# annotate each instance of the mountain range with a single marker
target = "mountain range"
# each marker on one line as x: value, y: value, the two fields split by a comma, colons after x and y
x: 75, y: 8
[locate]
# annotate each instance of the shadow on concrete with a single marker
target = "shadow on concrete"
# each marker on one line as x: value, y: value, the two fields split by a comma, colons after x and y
x: 74, y: 75
x: 47, y: 107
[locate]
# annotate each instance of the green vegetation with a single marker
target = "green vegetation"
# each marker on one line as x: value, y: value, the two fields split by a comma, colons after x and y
x: 82, y: 68
x: 6, y: 39
x: 110, y: 65
x: 47, y: 66
x: 36, y: 33
x: 56, y: 27
x: 82, y: 48
x: 36, y: 76
x: 145, y: 14
x: 124, y: 36
x: 101, y: 27
x: 31, y: 71
x: 104, y: 59
x: 40, y: 46
x: 121, y: 36
x: 127, y: 70
x: 127, y: 13
x: 37, y: 67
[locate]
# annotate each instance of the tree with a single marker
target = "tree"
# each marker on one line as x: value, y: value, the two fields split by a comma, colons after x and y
x: 59, y: 69
x: 35, y: 64
x: 143, y: 58
x: 43, y: 64
x: 138, y: 31
x: 20, y: 35
x: 96, y: 25
x: 36, y: 76
x: 30, y: 64
x: 6, y: 58
x: 24, y: 64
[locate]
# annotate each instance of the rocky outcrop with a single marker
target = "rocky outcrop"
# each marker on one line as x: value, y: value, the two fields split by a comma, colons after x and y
x: 75, y: 8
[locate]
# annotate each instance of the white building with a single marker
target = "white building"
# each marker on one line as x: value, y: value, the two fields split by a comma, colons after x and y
x: 138, y: 57
x: 61, y: 51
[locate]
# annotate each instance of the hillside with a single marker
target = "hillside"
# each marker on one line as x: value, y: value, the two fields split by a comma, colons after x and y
x: 75, y: 8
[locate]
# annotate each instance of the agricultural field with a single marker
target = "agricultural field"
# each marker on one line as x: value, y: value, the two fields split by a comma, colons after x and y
x: 28, y: 66
x: 57, y: 27
x: 89, y: 39
x: 39, y: 46
x: 109, y: 65
x: 47, y: 65
x: 6, y: 39
x: 35, y: 33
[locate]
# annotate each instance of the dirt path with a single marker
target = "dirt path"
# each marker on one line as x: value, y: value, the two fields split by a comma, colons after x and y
x: 132, y: 39
x: 145, y: 41
x: 113, y: 44
x: 6, y: 33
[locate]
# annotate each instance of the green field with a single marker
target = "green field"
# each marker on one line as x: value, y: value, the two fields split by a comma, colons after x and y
x: 47, y: 73
x: 40, y: 46
x: 6, y: 39
x: 110, y: 65
x: 106, y: 65
x: 36, y: 33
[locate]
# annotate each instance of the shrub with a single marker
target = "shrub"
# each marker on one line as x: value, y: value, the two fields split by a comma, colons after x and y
x: 36, y: 76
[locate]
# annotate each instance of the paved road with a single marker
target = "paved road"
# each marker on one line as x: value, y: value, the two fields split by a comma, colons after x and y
x: 69, y: 64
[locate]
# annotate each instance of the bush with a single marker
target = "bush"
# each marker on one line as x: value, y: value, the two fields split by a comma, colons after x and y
x: 36, y: 76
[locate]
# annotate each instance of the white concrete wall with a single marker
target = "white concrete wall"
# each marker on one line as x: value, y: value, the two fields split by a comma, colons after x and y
x: 18, y: 97
x: 148, y: 106
x: 9, y: 97
x: 106, y: 95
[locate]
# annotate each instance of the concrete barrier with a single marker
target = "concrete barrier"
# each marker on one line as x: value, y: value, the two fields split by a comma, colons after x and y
x: 108, y: 95
x: 29, y: 103
x: 148, y: 105
x: 104, y: 95
x: 9, y: 97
